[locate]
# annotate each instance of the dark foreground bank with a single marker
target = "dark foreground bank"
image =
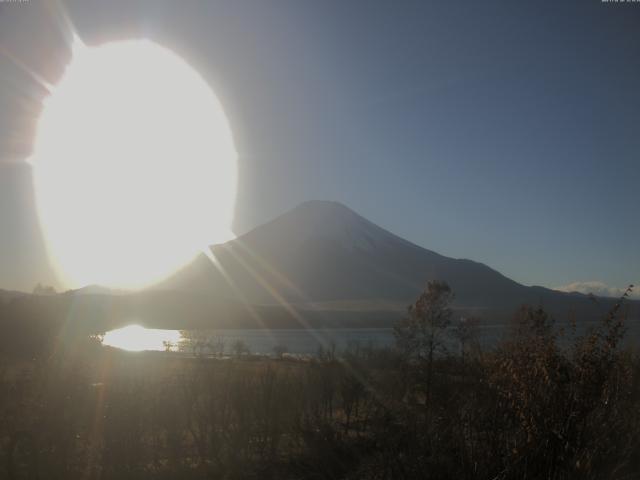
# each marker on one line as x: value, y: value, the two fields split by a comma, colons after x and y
x: 533, y: 407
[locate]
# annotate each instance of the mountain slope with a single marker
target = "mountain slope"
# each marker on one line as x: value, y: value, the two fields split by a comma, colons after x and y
x: 322, y: 252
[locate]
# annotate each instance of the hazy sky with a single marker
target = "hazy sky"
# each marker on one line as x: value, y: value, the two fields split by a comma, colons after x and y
x: 505, y: 132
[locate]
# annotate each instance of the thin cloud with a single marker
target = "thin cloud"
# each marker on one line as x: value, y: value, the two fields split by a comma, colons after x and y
x: 599, y: 289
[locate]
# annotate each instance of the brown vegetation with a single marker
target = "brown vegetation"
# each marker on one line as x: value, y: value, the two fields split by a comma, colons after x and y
x: 528, y: 408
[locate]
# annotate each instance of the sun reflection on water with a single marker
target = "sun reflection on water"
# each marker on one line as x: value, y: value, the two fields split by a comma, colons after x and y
x: 136, y: 338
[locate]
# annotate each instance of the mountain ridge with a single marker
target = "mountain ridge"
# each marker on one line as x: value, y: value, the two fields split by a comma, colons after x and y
x: 318, y: 265
x: 322, y: 251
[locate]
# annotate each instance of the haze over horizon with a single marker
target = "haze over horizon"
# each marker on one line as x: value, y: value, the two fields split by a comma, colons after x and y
x: 484, y: 131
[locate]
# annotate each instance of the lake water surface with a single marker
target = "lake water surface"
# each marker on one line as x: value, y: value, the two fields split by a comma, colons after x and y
x: 296, y: 341
x: 258, y: 341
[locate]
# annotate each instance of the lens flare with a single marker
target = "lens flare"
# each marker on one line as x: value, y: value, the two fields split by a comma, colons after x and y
x: 134, y: 166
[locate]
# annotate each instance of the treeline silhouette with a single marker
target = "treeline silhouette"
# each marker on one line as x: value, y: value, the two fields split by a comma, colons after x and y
x: 545, y: 403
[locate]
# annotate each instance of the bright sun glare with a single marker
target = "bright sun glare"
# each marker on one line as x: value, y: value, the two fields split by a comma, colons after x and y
x: 137, y: 339
x: 134, y: 166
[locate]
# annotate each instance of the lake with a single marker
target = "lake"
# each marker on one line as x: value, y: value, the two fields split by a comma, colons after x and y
x: 264, y: 342
x: 258, y: 341
x: 296, y: 341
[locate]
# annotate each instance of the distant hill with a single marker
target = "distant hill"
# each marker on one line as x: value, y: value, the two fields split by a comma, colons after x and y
x: 322, y: 256
x: 319, y: 265
x: 96, y: 290
x: 7, y: 295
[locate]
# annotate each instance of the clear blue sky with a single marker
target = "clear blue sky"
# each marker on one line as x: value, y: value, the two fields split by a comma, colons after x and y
x: 505, y: 132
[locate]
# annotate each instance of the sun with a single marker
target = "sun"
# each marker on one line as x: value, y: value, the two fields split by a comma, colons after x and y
x: 134, y: 166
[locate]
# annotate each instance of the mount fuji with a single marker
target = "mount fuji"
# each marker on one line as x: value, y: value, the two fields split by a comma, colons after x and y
x: 321, y: 256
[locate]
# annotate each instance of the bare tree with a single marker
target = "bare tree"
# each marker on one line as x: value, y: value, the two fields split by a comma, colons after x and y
x: 41, y: 289
x: 420, y: 335
x: 240, y: 348
x: 197, y: 341
x: 466, y: 332
x: 168, y: 345
x: 280, y: 350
